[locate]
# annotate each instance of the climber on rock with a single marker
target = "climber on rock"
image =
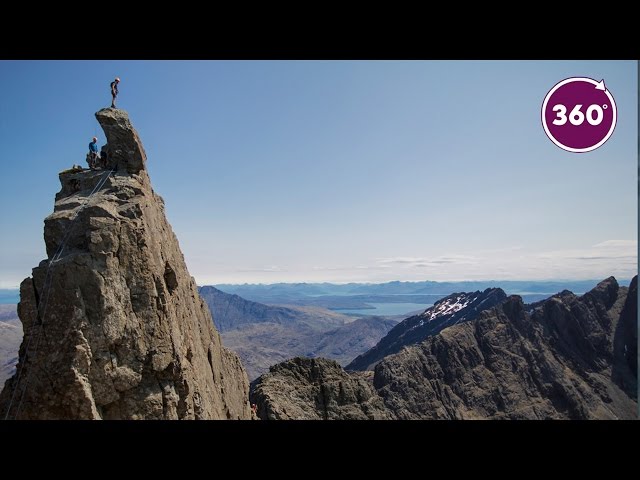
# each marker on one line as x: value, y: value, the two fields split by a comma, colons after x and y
x: 114, y: 91
x: 93, y: 157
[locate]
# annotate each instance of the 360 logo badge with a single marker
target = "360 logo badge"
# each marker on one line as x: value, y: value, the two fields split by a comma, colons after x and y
x: 579, y: 114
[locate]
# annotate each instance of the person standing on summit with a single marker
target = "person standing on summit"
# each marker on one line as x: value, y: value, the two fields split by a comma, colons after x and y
x: 114, y: 91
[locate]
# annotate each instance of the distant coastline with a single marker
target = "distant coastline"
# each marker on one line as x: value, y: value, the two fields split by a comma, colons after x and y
x: 9, y: 296
x: 286, y: 293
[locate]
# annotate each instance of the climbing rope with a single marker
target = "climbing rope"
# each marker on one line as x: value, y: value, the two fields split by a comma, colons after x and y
x: 46, y: 287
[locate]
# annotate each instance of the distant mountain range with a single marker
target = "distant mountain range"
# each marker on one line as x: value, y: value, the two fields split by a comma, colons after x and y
x: 264, y: 335
x: 518, y: 287
x: 231, y: 312
x: 362, y: 295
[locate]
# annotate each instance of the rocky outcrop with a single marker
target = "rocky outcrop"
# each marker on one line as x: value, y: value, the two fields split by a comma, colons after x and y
x: 124, y: 150
x: 315, y: 389
x: 625, y: 349
x: 114, y: 327
x: 451, y: 310
x: 567, y: 358
x: 556, y: 362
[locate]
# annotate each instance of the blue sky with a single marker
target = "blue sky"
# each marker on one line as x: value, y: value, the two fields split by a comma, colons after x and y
x: 337, y: 171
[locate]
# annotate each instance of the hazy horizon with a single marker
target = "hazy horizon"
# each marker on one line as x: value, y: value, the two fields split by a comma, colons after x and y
x: 337, y: 171
x: 549, y: 280
x: 622, y: 280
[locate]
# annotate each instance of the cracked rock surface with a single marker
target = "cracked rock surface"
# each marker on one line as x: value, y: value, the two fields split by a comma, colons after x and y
x: 115, y: 327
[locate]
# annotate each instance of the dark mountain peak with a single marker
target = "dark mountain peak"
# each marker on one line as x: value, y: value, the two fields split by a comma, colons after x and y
x: 564, y: 296
x: 459, y: 301
x: 605, y: 292
x: 513, y: 306
x: 455, y: 308
x: 627, y: 336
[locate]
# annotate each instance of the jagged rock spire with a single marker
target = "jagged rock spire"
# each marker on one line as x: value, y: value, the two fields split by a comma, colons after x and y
x: 124, y: 148
x: 114, y: 326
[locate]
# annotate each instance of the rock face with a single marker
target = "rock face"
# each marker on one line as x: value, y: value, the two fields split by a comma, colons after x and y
x: 456, y: 308
x: 627, y: 334
x: 10, y: 337
x: 114, y: 327
x: 556, y: 362
x: 315, y: 389
x: 124, y: 150
x: 568, y: 358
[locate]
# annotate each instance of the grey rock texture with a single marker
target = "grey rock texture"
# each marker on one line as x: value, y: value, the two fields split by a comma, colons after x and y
x: 451, y: 310
x: 567, y: 358
x: 628, y: 331
x: 315, y: 389
x: 10, y: 337
x: 114, y: 327
x: 124, y: 149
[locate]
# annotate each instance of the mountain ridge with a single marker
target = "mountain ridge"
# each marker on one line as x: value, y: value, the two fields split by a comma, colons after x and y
x: 235, y: 311
x: 570, y: 357
x: 453, y: 309
x: 246, y: 290
x: 263, y: 335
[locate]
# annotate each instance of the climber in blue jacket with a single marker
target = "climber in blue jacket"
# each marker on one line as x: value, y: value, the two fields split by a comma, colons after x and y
x: 93, y: 153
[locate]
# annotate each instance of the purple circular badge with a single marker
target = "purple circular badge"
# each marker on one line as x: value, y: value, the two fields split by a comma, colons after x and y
x: 579, y: 114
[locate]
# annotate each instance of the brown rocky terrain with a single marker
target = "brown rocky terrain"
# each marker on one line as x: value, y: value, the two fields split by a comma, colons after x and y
x: 114, y: 327
x: 263, y: 335
x: 316, y: 389
x: 567, y: 357
x: 264, y: 344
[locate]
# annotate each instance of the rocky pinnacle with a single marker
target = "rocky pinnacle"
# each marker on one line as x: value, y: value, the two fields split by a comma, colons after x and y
x: 114, y: 327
